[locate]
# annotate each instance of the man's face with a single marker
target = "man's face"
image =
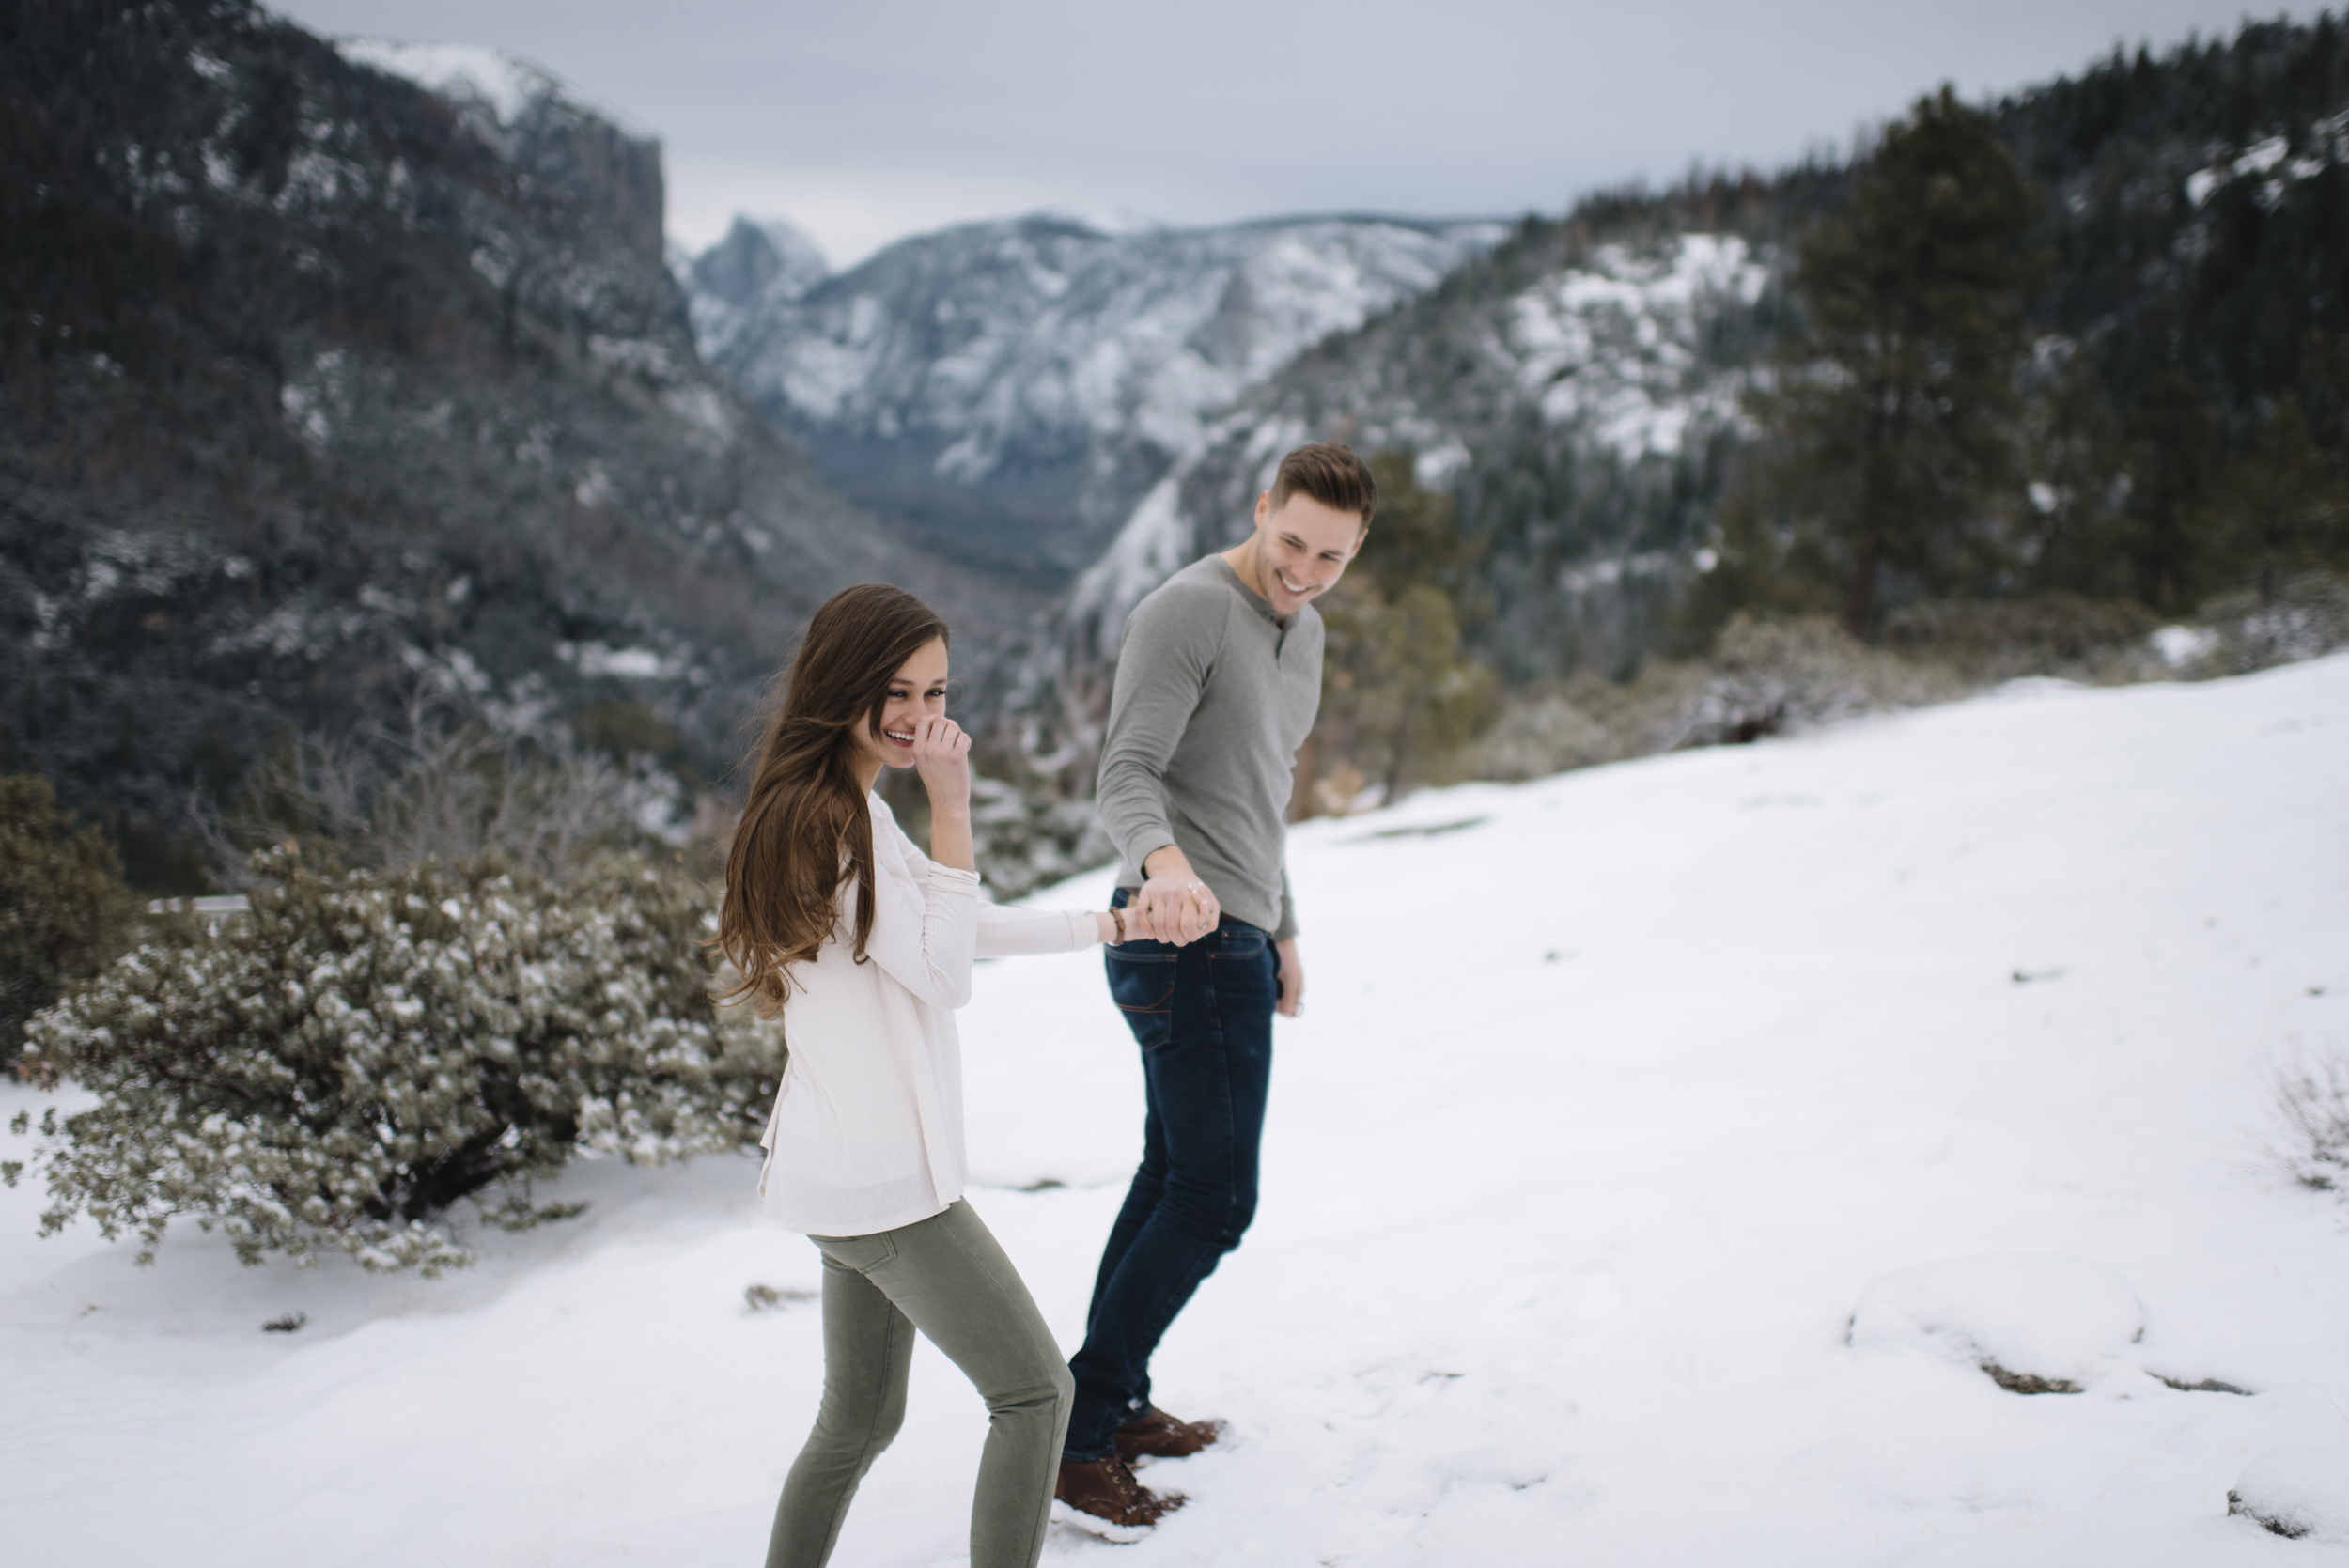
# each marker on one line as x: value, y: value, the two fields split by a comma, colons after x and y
x: 1303, y: 549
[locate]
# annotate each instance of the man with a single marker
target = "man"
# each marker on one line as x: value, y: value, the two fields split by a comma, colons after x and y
x: 1219, y: 677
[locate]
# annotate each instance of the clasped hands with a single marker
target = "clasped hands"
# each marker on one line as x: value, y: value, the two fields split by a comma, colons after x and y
x: 1174, y: 905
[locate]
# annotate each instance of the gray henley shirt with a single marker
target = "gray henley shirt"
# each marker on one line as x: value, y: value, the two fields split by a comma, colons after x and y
x: 1212, y: 698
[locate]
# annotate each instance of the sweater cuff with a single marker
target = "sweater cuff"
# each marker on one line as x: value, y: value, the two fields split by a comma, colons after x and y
x: 1146, y: 841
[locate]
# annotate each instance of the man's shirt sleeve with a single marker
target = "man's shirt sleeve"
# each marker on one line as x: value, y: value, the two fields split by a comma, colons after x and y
x: 1162, y: 667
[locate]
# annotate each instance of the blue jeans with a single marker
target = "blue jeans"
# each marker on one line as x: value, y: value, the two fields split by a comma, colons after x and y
x: 1203, y: 1015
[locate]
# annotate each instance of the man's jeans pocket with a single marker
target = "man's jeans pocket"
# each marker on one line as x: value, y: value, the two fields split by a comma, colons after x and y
x: 1143, y: 986
x: 1236, y: 940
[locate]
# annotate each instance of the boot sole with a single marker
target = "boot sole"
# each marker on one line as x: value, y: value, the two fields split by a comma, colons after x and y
x: 1093, y: 1523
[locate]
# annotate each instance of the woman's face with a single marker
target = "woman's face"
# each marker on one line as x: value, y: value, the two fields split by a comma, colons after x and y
x: 916, y: 692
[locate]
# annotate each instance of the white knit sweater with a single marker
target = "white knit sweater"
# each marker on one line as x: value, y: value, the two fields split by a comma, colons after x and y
x: 867, y: 1133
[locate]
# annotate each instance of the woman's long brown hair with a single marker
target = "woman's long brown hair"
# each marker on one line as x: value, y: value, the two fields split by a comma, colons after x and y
x: 805, y: 830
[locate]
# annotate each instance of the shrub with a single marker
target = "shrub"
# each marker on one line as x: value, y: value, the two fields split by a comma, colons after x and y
x: 2052, y: 634
x: 64, y: 912
x: 1543, y: 733
x: 1586, y: 720
x: 429, y: 791
x: 2308, y: 615
x: 1783, y: 674
x: 2312, y: 1107
x: 365, y: 1048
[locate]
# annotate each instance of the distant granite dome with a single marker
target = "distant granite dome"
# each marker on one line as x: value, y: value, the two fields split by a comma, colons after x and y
x: 758, y: 260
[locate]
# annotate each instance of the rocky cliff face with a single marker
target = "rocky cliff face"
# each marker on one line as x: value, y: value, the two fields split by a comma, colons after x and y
x: 326, y: 374
x: 1013, y: 389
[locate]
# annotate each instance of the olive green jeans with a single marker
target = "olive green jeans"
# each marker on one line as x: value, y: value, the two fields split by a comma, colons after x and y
x: 946, y: 1277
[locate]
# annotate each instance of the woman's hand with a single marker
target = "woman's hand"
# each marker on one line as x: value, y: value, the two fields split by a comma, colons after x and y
x: 941, y: 754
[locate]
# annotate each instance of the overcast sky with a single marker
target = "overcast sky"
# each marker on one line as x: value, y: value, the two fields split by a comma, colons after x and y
x: 863, y: 122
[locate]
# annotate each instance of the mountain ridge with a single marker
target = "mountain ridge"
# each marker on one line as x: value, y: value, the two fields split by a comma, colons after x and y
x: 324, y: 388
x: 2199, y: 220
x: 1011, y: 387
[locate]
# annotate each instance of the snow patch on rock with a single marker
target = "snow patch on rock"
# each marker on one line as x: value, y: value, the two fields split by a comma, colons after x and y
x: 1614, y: 345
x: 502, y: 83
x: 2302, y: 1493
x: 2037, y: 1323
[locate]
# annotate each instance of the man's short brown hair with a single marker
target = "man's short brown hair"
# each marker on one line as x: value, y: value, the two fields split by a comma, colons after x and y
x: 1330, y: 472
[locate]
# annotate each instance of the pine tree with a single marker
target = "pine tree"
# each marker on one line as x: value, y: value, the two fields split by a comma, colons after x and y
x: 1397, y: 688
x: 2166, y: 547
x: 64, y: 912
x: 2072, y: 518
x: 1895, y: 406
x: 2283, y: 508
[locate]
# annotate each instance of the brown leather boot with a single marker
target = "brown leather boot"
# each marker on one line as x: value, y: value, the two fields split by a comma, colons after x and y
x: 1160, y: 1436
x: 1106, y: 1490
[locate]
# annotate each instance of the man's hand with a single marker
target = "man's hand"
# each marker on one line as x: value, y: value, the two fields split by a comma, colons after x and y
x: 1173, y: 905
x: 1292, y: 975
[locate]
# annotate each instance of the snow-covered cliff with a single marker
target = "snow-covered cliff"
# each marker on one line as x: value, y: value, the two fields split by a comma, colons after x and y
x: 1565, y: 388
x: 1016, y: 387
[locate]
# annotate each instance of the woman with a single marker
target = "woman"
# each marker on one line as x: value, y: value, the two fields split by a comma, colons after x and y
x: 865, y: 945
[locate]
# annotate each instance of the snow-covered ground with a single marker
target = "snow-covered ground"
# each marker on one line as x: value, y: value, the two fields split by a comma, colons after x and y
x: 1619, y: 1096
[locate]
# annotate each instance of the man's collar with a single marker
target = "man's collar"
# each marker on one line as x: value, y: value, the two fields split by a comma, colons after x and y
x: 1257, y: 601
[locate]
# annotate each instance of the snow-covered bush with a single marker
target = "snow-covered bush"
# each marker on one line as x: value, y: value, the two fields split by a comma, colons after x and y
x: 1783, y: 674
x: 2307, y: 616
x: 1765, y: 676
x: 1586, y: 720
x: 365, y: 1048
x: 1989, y: 640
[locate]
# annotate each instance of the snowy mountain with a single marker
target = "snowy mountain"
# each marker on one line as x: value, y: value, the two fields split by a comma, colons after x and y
x: 1013, y: 388
x: 1572, y: 388
x: 344, y: 369
x: 1576, y: 388
x: 1627, y: 354
x: 1663, y: 1210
